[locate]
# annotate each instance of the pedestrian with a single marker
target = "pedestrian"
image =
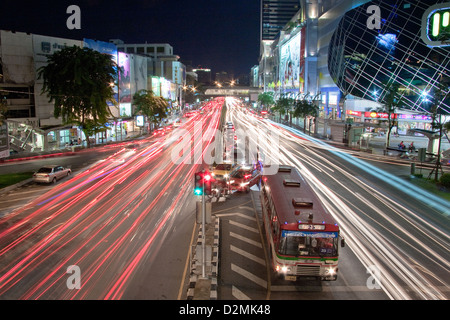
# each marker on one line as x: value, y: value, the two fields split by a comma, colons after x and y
x: 401, y: 146
x: 412, y: 148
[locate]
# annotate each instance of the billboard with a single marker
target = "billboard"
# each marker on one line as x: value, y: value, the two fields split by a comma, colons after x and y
x: 292, y: 63
x: 124, y: 78
x: 102, y: 47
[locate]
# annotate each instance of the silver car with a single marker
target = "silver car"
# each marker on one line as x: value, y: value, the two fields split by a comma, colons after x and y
x: 49, y: 174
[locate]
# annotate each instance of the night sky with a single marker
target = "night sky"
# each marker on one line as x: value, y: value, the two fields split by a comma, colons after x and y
x: 219, y: 34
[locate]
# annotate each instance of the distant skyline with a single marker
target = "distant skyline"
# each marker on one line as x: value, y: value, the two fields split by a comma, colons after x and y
x: 220, y: 35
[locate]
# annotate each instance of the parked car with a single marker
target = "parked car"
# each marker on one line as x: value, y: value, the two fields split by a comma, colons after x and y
x: 50, y: 174
x: 244, y: 178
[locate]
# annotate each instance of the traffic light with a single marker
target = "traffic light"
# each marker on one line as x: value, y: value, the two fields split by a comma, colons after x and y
x: 207, y: 183
x: 198, y: 186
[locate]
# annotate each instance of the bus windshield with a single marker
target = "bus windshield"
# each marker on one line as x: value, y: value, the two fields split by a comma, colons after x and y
x: 305, y: 243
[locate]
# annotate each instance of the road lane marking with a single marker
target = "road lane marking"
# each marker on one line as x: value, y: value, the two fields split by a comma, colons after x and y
x: 245, y: 239
x: 249, y: 276
x: 238, y: 294
x: 186, y: 265
x: 243, y: 226
x: 248, y: 255
x: 221, y: 215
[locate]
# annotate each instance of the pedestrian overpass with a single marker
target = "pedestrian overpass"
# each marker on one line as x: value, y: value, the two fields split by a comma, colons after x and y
x: 239, y: 92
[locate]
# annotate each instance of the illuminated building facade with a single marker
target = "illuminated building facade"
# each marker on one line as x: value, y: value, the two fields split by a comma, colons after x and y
x: 364, y: 58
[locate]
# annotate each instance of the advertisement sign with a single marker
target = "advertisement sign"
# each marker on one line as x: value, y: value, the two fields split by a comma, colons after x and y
x: 381, y: 115
x: 435, y: 30
x: 124, y: 78
x: 102, y: 47
x: 140, y: 121
x: 290, y: 63
x: 107, y: 48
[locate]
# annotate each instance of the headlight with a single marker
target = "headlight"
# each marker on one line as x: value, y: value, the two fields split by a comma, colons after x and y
x: 282, y: 268
x: 331, y: 271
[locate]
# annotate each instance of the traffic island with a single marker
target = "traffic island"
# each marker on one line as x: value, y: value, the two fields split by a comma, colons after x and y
x: 205, y: 288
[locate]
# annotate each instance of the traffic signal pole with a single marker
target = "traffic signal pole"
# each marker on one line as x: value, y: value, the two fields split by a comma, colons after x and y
x: 203, y: 229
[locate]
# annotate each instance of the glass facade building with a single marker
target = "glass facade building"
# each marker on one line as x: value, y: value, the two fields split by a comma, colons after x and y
x: 367, y: 52
x: 275, y: 14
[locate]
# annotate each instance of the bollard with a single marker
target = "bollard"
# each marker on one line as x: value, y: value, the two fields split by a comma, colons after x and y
x: 413, y: 168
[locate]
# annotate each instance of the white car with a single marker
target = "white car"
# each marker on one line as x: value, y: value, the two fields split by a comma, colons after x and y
x: 50, y: 174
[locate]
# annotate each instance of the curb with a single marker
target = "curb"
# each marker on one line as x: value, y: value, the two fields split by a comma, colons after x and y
x: 14, y: 186
x: 43, y: 156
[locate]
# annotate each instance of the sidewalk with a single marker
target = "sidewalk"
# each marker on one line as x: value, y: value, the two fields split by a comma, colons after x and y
x: 64, y: 152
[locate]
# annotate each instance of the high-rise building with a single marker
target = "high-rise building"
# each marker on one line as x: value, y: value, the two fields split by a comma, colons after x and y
x: 204, y: 75
x: 275, y: 14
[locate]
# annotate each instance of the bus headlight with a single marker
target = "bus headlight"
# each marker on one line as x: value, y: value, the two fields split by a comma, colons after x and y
x: 283, y: 269
x: 331, y: 271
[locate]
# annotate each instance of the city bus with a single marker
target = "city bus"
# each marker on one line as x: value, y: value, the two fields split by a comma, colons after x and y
x: 302, y: 235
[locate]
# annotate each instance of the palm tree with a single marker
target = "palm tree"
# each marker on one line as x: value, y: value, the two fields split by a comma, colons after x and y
x: 440, y: 94
x: 391, y: 101
x: 78, y: 81
x: 154, y: 107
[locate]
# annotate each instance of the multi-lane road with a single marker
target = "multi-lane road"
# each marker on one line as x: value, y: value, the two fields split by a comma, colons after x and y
x: 123, y: 227
x: 118, y: 230
x: 396, y: 231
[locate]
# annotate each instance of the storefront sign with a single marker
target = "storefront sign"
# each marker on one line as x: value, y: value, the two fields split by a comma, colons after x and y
x: 354, y: 113
x: 140, y: 121
x: 436, y: 25
x: 378, y: 115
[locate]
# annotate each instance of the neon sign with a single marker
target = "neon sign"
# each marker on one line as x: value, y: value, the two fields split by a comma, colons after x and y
x: 436, y: 25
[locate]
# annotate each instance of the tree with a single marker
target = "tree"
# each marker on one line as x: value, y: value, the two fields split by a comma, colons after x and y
x: 154, y: 107
x: 283, y: 105
x: 391, y: 101
x: 440, y: 94
x: 78, y: 81
x: 266, y: 99
x: 3, y: 110
x: 304, y: 108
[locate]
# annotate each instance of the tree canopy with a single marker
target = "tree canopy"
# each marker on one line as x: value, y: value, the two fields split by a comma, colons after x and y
x: 266, y: 99
x: 78, y: 81
x: 154, y: 107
